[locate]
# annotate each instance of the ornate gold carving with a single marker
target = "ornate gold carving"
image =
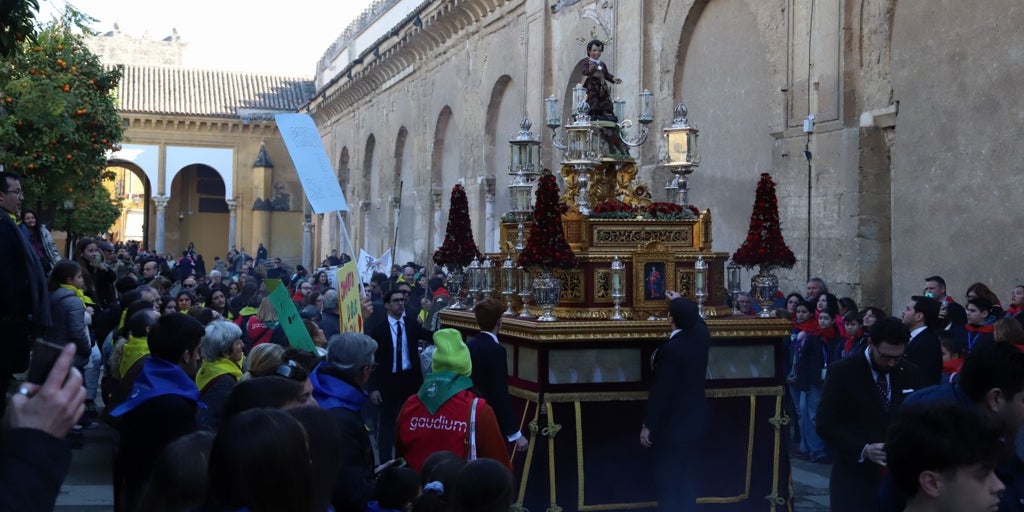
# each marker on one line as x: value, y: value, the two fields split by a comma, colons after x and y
x: 628, y: 236
x: 602, y: 184
x: 627, y: 188
x: 602, y: 285
x: 685, y: 284
x: 572, y: 285
x: 572, y: 188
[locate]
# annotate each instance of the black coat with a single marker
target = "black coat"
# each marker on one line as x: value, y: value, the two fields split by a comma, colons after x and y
x: 926, y: 353
x: 851, y: 415
x: 490, y: 378
x: 24, y: 300
x: 145, y: 431
x: 383, y: 379
x: 33, y: 465
x: 355, y: 482
x: 677, y: 409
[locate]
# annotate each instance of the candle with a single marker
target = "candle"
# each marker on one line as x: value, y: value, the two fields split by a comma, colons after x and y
x: 616, y: 282
x: 700, y: 280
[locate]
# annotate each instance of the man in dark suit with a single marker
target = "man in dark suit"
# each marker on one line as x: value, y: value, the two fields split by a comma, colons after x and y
x: 677, y: 410
x: 858, y: 401
x: 920, y: 316
x: 490, y: 369
x: 24, y: 299
x: 399, y: 374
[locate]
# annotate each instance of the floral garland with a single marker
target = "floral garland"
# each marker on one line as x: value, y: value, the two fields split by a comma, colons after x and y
x: 764, y: 245
x: 615, y: 209
x: 547, y: 246
x: 458, y: 248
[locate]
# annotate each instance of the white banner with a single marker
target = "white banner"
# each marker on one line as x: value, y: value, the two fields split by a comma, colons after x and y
x: 316, y: 173
x: 367, y: 265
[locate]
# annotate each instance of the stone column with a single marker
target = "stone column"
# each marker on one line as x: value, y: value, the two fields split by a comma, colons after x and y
x: 490, y: 221
x: 364, y: 208
x: 307, y: 243
x: 435, y: 196
x: 161, y: 219
x: 232, y: 222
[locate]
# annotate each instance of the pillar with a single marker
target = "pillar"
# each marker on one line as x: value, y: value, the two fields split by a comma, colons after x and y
x: 232, y: 222
x: 435, y: 197
x: 307, y: 244
x: 490, y: 221
x: 364, y: 209
x: 161, y: 219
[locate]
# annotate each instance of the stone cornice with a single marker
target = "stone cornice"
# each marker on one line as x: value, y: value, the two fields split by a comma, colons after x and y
x: 442, y: 24
x: 191, y: 124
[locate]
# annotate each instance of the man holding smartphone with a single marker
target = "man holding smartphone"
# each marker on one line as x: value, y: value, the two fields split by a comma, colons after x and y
x: 24, y: 300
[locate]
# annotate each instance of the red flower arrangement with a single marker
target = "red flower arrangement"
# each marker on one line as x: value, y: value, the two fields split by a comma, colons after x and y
x: 671, y: 211
x: 547, y: 246
x: 458, y: 247
x: 764, y: 245
x: 614, y: 209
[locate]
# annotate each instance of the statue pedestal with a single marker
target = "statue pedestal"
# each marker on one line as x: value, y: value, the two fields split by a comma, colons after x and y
x: 581, y: 387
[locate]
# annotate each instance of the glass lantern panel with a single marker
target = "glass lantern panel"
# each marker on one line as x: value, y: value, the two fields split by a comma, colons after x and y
x: 677, y: 147
x: 693, y: 156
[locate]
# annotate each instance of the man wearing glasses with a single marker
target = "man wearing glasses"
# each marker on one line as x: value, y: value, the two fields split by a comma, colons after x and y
x: 399, y: 375
x: 25, y: 306
x: 858, y: 402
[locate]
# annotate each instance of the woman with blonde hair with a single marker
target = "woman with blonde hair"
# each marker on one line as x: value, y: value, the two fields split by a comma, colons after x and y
x: 263, y: 360
x: 261, y: 326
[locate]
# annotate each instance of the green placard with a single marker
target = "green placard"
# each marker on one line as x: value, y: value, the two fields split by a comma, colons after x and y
x: 288, y: 316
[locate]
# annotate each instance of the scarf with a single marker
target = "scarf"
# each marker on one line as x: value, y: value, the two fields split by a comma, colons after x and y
x: 827, y: 334
x: 333, y: 392
x: 213, y: 369
x: 1014, y: 310
x: 158, y: 378
x: 86, y: 300
x: 133, y: 350
x: 987, y: 327
x: 438, y: 387
x: 810, y: 326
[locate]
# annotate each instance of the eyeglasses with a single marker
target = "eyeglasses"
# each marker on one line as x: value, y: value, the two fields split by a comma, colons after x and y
x: 292, y: 370
x: 19, y: 192
x: 186, y: 285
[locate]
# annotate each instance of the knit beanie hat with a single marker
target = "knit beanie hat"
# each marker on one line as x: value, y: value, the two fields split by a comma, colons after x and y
x: 451, y: 353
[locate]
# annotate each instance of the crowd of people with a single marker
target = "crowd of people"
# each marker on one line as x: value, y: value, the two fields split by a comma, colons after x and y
x: 212, y: 406
x: 850, y: 370
x: 215, y: 409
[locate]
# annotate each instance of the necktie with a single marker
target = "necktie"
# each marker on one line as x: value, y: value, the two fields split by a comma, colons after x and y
x: 398, y: 346
x: 883, y: 387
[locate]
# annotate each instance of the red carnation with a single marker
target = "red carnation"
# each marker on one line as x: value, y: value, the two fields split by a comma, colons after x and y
x: 459, y: 247
x: 547, y: 246
x: 764, y: 245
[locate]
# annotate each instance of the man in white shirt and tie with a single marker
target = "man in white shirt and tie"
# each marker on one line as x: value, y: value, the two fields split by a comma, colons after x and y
x: 398, y: 374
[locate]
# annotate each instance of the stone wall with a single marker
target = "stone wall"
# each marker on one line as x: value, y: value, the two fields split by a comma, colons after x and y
x: 919, y: 189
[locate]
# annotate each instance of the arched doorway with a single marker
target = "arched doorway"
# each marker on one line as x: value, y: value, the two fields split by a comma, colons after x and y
x: 197, y: 212
x: 132, y: 191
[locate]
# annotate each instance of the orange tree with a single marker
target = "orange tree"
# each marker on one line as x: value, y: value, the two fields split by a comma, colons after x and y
x: 58, y: 120
x: 17, y: 18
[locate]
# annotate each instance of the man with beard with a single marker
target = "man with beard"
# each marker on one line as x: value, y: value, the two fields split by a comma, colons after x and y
x: 859, y: 399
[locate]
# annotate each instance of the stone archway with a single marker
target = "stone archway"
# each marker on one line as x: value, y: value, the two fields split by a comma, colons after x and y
x: 132, y: 190
x: 197, y: 211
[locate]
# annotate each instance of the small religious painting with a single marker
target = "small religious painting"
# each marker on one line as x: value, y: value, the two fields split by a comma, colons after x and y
x: 654, y: 280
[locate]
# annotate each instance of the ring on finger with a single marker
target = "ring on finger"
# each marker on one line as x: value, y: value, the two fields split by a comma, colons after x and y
x: 23, y: 391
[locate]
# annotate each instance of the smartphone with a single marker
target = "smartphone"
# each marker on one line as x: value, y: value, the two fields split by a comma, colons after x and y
x: 44, y: 355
